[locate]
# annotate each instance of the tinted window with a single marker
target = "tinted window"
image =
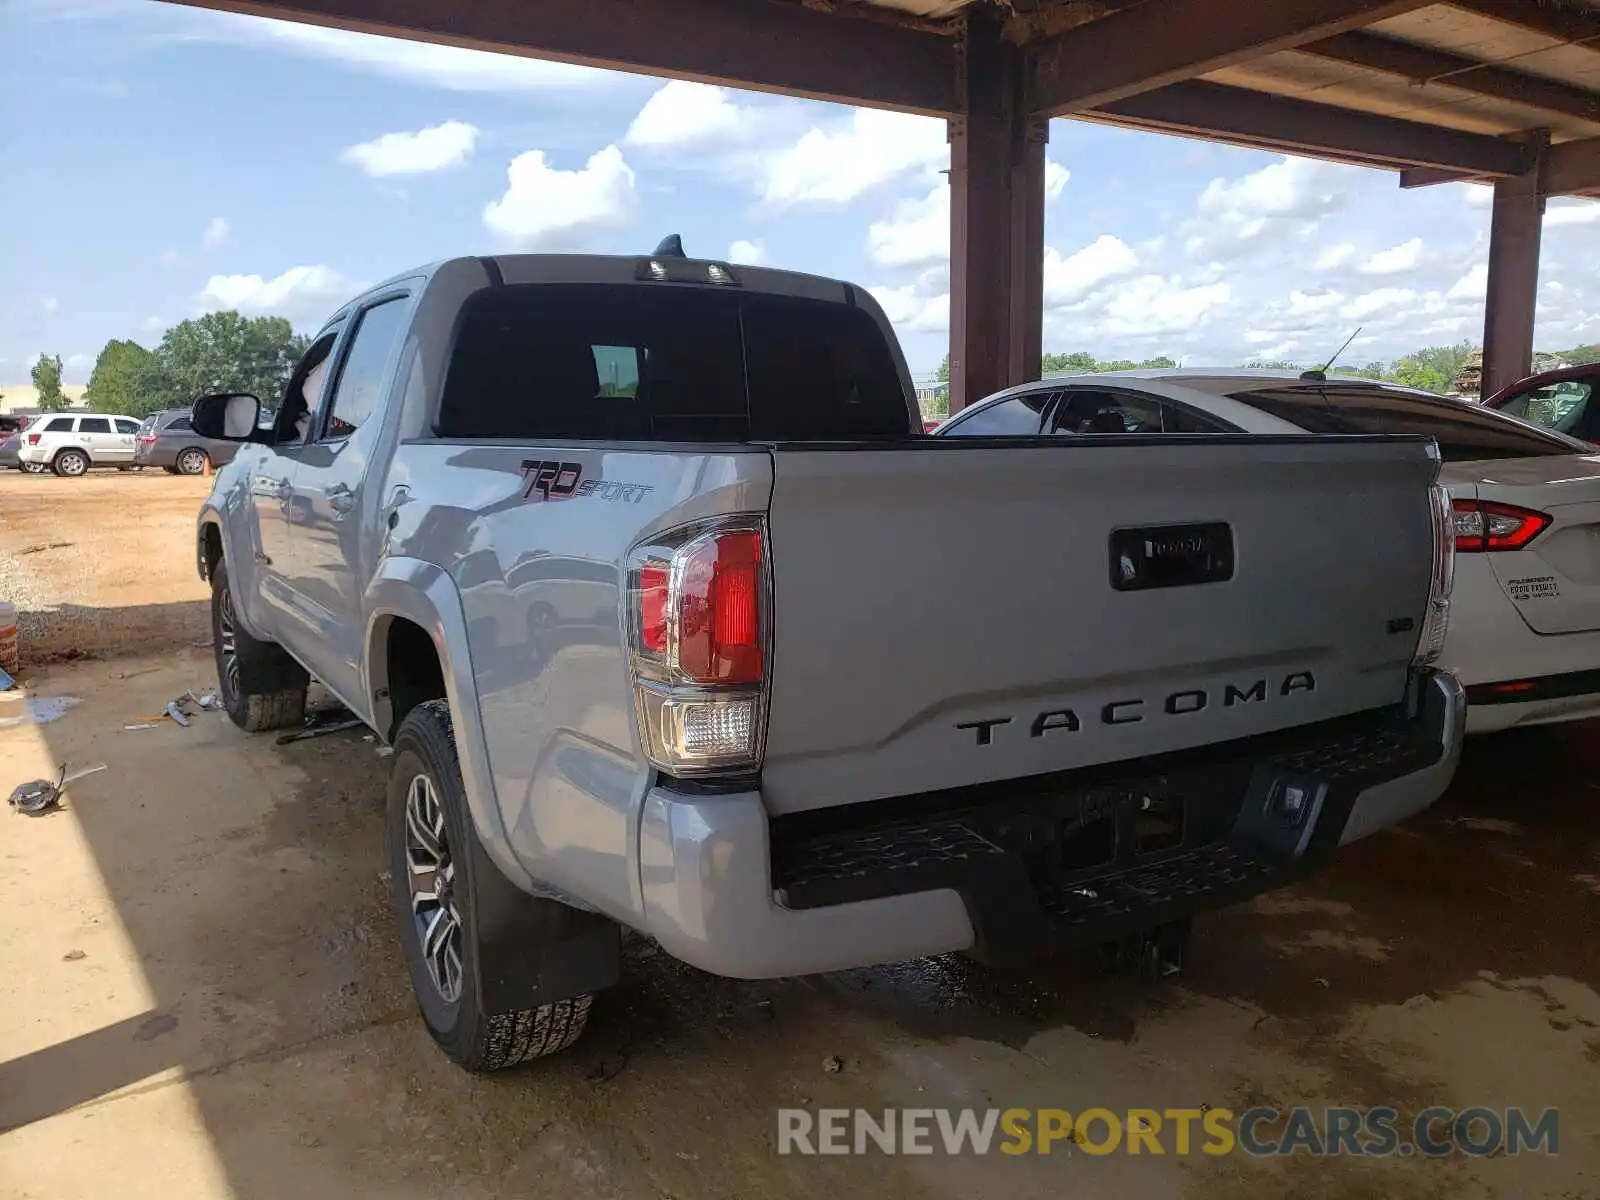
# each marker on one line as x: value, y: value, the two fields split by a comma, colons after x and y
x: 1464, y: 432
x: 1019, y: 416
x: 620, y: 362
x: 127, y: 425
x: 59, y: 425
x: 1560, y: 406
x: 1106, y: 412
x: 362, y: 377
x: 179, y: 425
x: 94, y: 425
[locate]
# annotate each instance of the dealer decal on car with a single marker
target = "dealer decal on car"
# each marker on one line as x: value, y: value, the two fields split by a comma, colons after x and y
x: 1539, y: 587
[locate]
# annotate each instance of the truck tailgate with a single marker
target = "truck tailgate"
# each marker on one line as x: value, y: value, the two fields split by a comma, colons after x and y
x: 956, y: 612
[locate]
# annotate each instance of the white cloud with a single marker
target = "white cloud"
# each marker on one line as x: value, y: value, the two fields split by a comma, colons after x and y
x: 73, y: 361
x: 1055, y: 179
x: 1373, y: 302
x: 1474, y: 285
x: 436, y: 148
x: 912, y: 312
x: 1154, y: 304
x: 916, y: 232
x: 742, y: 251
x: 302, y: 294
x: 1478, y: 195
x: 1288, y: 198
x: 837, y: 164
x: 1335, y: 257
x: 215, y: 233
x: 681, y: 113
x: 50, y: 304
x: 1071, y: 279
x: 546, y: 208
x: 1574, y: 212
x: 1396, y: 260
x: 1305, y: 304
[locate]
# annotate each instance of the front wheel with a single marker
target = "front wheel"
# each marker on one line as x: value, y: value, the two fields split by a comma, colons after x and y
x: 70, y: 463
x: 262, y: 687
x: 436, y: 899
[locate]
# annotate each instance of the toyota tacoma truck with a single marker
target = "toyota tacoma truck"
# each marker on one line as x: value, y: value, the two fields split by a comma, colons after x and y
x: 677, y: 622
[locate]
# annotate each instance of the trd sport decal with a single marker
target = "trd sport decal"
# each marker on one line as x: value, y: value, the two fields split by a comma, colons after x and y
x: 554, y: 480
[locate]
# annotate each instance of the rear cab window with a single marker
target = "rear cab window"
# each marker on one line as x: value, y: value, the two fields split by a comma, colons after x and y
x: 1465, y: 433
x: 628, y: 363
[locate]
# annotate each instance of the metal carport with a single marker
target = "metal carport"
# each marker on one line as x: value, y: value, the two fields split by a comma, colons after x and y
x: 1499, y: 91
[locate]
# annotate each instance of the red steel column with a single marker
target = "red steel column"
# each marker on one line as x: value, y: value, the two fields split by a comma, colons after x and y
x: 1514, y: 228
x: 996, y: 220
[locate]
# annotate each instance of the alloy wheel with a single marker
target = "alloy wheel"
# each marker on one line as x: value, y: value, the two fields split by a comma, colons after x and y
x: 432, y: 877
x: 228, y: 645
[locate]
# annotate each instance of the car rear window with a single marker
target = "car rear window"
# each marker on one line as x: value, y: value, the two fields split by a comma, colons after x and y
x: 1464, y: 432
x: 674, y: 363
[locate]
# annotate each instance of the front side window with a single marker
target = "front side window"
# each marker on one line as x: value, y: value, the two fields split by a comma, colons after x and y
x: 1465, y: 432
x: 1019, y: 416
x: 303, y: 397
x: 364, y: 372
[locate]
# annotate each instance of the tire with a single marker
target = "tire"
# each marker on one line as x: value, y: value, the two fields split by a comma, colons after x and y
x: 431, y: 837
x: 192, y: 461
x: 70, y: 463
x: 33, y: 468
x: 261, y: 686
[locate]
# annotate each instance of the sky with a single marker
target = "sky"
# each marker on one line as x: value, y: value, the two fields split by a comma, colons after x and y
x: 163, y: 161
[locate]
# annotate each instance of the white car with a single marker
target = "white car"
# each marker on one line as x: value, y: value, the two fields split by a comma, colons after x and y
x: 71, y: 443
x: 1524, y: 631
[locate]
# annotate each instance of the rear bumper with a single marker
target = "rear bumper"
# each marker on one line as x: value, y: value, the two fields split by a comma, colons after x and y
x: 1541, y: 700
x: 1033, y: 865
x: 156, y: 455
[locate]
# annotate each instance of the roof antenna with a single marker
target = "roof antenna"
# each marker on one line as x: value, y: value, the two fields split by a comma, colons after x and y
x: 1320, y: 374
x: 670, y: 246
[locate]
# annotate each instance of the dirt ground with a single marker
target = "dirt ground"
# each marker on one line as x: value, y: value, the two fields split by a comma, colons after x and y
x: 204, y: 996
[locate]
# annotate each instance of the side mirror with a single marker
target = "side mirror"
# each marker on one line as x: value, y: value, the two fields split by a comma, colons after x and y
x: 227, y: 416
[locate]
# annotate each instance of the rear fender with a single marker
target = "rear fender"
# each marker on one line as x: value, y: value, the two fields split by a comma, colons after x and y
x: 425, y: 595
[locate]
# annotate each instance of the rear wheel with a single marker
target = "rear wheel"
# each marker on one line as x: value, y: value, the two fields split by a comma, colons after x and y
x: 262, y: 687
x: 33, y: 468
x: 439, y: 881
x: 70, y: 463
x: 192, y: 462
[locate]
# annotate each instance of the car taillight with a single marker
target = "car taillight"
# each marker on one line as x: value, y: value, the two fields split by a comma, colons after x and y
x: 697, y: 625
x: 1482, y: 525
x: 33, y: 439
x: 148, y: 440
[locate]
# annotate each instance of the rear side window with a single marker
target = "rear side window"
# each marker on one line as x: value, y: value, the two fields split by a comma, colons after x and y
x: 127, y: 425
x: 179, y: 425
x: 59, y: 425
x: 641, y: 363
x: 1464, y: 432
x: 1019, y: 416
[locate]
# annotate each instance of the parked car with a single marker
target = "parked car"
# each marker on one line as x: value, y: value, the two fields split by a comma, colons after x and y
x: 1524, y: 632
x: 676, y: 621
x: 71, y: 444
x: 11, y: 449
x: 1559, y: 400
x: 168, y: 440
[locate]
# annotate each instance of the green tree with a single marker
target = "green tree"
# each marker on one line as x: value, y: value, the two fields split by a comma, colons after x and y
x: 221, y: 352
x: 1078, y: 360
x: 117, y: 382
x: 1433, y: 368
x: 47, y: 382
x: 943, y: 373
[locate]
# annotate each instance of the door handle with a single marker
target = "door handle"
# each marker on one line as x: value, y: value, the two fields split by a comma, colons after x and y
x: 340, y: 498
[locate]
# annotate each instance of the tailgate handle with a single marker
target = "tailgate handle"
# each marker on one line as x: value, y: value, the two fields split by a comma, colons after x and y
x: 1163, y: 556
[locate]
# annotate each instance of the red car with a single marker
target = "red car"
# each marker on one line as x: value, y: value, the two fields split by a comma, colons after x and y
x: 1562, y: 400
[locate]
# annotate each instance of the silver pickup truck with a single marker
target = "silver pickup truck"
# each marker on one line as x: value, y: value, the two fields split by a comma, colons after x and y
x: 676, y: 622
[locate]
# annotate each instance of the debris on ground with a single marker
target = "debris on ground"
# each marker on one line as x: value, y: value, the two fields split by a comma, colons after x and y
x: 179, y: 711
x: 833, y: 1064
x: 39, y: 796
x: 175, y: 712
x: 319, y: 728
x: 40, y: 710
x: 74, y: 956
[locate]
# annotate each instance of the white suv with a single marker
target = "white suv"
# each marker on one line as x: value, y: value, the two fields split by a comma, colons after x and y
x: 69, y: 444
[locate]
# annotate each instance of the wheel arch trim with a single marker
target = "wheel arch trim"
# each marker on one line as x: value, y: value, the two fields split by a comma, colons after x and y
x: 420, y: 592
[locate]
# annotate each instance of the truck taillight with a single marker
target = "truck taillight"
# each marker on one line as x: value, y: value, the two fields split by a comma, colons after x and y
x: 1482, y: 525
x: 697, y: 626
x: 1436, y: 621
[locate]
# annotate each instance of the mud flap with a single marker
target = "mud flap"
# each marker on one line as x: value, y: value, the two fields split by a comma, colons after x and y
x: 532, y: 951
